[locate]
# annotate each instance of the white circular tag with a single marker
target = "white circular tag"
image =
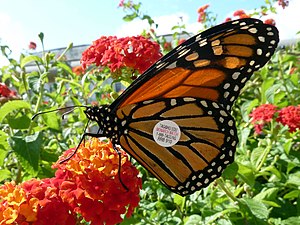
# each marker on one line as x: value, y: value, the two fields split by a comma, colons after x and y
x: 166, y: 133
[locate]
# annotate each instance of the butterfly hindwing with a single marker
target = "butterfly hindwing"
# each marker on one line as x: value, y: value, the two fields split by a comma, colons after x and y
x: 206, y: 145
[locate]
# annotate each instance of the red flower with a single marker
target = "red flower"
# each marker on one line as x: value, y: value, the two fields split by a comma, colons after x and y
x: 283, y: 3
x: 203, y: 8
x: 51, y: 208
x: 167, y: 46
x: 290, y: 116
x: 6, y: 92
x: 181, y: 41
x: 202, y: 13
x: 32, y: 45
x: 241, y: 14
x: 228, y: 19
x: 262, y: 115
x: 270, y: 22
x: 137, y: 53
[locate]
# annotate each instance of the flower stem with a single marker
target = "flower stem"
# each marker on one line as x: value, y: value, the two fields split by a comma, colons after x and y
x: 222, y: 185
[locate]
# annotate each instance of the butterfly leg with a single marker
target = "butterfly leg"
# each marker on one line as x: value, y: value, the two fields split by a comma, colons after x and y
x: 81, y: 140
x: 119, y: 169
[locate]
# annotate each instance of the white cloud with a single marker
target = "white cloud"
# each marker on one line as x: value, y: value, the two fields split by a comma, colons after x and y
x: 288, y: 20
x: 11, y: 34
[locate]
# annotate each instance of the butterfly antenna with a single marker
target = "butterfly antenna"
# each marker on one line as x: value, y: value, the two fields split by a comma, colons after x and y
x: 55, y: 110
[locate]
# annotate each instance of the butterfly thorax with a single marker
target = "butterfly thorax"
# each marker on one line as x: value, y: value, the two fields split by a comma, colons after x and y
x: 107, y: 123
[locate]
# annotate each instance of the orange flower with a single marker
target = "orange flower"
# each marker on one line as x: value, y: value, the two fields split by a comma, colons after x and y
x: 78, y: 70
x: 241, y: 14
x: 15, y: 206
x: 203, y: 8
x: 202, y: 13
x: 92, y: 186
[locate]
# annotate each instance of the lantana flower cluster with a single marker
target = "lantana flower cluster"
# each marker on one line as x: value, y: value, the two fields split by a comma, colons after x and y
x: 288, y: 116
x: 88, y: 187
x: 137, y: 53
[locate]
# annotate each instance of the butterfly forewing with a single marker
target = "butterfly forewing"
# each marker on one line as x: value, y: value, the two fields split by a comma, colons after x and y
x: 206, y: 145
x: 214, y: 65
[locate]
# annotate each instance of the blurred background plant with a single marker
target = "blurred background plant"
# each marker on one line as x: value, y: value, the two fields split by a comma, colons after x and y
x: 260, y: 187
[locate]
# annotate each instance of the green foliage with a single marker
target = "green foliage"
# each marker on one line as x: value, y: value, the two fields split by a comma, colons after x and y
x: 260, y: 187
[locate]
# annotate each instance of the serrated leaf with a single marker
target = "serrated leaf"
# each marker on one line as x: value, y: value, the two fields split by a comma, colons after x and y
x: 257, y: 208
x: 193, y: 219
x: 27, y: 151
x: 268, y: 194
x: 10, y: 106
x: 34, y: 83
x: 257, y: 155
x: 29, y: 59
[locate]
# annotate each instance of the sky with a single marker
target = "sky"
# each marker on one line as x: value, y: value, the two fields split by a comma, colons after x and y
x: 83, y: 21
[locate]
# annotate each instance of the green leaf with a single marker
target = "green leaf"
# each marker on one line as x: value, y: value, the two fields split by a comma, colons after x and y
x: 265, y: 86
x: 178, y: 200
x: 5, y: 175
x: 29, y: 59
x: 287, y: 146
x: 256, y: 156
x: 4, y: 146
x: 270, y: 93
x: 294, y: 79
x: 246, y: 174
x: 294, y: 179
x: 231, y: 171
x: 27, y: 151
x: 268, y: 194
x: 192, y: 220
x: 130, y: 17
x: 65, y: 67
x: 292, y: 194
x: 52, y: 121
x: 34, y: 83
x: 20, y: 122
x: 257, y: 208
x: 10, y: 106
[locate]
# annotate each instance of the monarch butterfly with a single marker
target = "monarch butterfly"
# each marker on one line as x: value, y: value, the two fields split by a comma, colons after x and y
x: 175, y: 118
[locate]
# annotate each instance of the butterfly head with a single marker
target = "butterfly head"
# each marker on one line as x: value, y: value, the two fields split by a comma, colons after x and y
x: 97, y: 113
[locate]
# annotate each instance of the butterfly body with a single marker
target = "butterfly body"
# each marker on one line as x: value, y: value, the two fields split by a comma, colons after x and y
x: 175, y: 118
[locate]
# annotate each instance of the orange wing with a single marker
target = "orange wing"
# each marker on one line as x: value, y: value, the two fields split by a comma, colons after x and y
x: 213, y: 66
